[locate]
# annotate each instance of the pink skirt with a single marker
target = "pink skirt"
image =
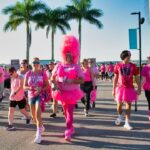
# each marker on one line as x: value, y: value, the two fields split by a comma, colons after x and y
x: 68, y: 97
x: 126, y: 94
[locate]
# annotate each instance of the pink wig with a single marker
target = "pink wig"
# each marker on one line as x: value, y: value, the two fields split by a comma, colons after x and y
x: 70, y: 44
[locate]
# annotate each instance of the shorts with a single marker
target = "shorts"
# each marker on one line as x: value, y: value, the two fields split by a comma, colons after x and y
x: 21, y: 104
x: 34, y: 100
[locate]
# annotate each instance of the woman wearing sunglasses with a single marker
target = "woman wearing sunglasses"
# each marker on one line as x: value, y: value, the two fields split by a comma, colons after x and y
x: 36, y: 82
x: 67, y: 76
x: 146, y: 83
x: 16, y: 98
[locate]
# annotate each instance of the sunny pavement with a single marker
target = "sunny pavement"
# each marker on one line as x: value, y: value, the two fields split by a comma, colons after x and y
x: 96, y: 131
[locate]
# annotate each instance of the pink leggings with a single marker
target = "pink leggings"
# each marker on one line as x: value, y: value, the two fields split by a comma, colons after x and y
x: 68, y: 112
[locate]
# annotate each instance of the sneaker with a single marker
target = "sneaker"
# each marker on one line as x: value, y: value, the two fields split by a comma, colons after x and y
x: 38, y: 139
x: 68, y: 135
x: 23, y: 118
x: 42, y: 130
x: 128, y: 126
x: 28, y: 121
x: 86, y: 114
x: 53, y: 115
x: 10, y: 127
x: 118, y: 120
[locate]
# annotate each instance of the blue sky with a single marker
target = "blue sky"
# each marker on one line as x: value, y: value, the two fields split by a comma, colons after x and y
x: 104, y: 44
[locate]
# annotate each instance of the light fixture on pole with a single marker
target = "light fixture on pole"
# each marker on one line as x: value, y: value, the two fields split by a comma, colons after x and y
x: 141, y: 21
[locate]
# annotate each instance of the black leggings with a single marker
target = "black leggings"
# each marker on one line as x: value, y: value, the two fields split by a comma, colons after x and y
x: 87, y: 87
x: 147, y: 94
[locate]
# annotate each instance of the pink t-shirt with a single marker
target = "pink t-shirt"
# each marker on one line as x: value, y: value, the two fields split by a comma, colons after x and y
x: 126, y: 73
x: 34, y: 80
x: 15, y: 84
x: 87, y: 75
x: 110, y: 68
x: 102, y: 68
x: 146, y: 73
x: 63, y: 72
x: 2, y: 76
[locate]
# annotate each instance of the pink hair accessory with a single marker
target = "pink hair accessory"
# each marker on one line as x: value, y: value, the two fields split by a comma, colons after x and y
x: 70, y: 44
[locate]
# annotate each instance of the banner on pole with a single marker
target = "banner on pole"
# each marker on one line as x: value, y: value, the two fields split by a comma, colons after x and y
x: 133, y: 38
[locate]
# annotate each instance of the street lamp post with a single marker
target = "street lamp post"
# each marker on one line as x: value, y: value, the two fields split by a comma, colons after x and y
x: 141, y: 21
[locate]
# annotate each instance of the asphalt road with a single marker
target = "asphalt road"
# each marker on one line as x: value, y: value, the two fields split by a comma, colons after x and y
x: 96, y: 131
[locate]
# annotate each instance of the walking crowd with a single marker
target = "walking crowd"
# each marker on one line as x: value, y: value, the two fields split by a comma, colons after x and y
x: 66, y: 83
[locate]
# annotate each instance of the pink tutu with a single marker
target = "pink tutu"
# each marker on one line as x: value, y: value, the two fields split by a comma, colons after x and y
x: 68, y: 97
x: 125, y: 94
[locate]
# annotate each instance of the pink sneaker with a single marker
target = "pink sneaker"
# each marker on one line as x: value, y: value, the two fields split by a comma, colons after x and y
x: 68, y: 135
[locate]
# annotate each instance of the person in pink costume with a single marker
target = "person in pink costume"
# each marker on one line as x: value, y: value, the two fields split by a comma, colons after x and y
x: 67, y: 77
x: 123, y: 89
x: 146, y: 83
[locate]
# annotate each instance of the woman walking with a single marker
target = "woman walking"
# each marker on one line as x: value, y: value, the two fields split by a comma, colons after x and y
x: 88, y: 85
x: 36, y: 82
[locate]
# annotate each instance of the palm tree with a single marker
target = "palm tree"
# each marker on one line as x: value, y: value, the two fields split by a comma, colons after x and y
x: 52, y: 20
x: 22, y: 12
x: 81, y: 9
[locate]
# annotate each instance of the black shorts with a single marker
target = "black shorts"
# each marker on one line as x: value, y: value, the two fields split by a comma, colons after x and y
x: 21, y: 104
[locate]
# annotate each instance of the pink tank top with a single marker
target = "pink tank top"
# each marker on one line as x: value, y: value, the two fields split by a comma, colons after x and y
x: 64, y: 71
x: 87, y: 75
x: 15, y: 84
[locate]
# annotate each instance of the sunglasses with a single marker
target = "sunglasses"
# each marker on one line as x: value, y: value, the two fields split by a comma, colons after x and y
x: 35, y: 62
x: 23, y: 63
